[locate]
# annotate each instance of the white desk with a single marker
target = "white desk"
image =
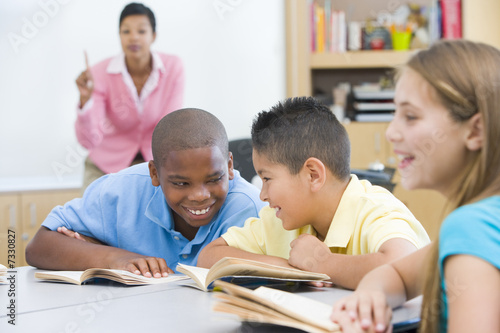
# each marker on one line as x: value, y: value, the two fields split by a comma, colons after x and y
x: 57, y: 307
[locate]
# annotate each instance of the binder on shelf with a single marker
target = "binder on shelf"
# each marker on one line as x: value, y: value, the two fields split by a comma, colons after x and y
x: 372, y: 92
x: 374, y: 117
x: 373, y: 104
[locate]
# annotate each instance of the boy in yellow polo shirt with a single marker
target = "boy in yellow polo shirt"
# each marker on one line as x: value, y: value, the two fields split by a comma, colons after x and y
x: 318, y: 214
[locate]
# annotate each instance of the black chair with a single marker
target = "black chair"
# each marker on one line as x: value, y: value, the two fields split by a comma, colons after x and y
x: 381, y: 178
x: 242, y: 157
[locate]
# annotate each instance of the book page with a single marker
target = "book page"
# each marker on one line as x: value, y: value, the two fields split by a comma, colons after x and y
x: 305, y: 309
x: 254, y: 315
x: 198, y: 274
x: 127, y: 277
x: 235, y: 266
x: 68, y: 276
x: 294, y: 306
x: 273, y: 306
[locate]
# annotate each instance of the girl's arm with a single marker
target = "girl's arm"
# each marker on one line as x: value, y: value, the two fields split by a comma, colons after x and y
x: 381, y: 289
x: 473, y: 292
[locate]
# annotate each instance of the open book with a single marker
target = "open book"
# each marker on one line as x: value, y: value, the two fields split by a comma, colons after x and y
x: 273, y: 306
x: 125, y: 277
x: 246, y: 272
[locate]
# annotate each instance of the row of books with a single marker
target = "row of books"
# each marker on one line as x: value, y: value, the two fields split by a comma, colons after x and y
x: 328, y: 28
x: 332, y: 31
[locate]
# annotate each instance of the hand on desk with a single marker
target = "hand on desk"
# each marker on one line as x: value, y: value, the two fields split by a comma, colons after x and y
x: 363, y: 311
x: 132, y: 262
x: 69, y: 251
x: 139, y: 264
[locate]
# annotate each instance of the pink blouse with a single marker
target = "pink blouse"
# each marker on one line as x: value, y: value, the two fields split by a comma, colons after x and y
x: 116, y: 123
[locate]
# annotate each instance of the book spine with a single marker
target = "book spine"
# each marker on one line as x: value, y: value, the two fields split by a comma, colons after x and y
x: 335, y: 31
x: 434, y: 22
x: 342, y: 32
x: 451, y: 13
x: 320, y: 29
x: 328, y: 26
x: 312, y: 25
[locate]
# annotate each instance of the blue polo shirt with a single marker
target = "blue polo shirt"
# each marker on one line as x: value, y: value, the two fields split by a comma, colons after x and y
x: 125, y: 210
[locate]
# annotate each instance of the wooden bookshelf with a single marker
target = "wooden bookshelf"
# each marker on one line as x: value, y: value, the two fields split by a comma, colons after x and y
x: 479, y: 23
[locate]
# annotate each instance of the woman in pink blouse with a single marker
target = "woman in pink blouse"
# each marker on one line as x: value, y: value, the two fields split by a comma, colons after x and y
x: 123, y: 98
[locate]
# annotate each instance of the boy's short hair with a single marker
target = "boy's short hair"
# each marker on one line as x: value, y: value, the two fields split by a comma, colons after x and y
x: 299, y: 128
x: 187, y: 129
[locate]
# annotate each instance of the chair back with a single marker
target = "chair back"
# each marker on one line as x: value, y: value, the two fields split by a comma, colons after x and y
x: 242, y: 157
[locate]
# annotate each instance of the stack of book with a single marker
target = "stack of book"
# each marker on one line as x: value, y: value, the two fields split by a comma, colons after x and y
x: 372, y: 104
x: 274, y: 307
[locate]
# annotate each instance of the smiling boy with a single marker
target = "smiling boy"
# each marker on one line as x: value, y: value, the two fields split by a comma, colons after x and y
x: 152, y: 216
x: 320, y: 217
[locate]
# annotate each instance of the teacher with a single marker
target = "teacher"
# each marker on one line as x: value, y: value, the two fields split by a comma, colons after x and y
x: 123, y: 98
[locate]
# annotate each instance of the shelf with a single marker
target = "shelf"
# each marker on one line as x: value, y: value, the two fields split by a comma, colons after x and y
x: 360, y: 59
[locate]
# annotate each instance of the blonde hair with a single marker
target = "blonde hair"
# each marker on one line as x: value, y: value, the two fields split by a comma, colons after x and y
x: 466, y: 78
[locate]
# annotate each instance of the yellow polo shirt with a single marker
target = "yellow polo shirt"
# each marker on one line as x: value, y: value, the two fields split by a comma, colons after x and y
x: 367, y: 216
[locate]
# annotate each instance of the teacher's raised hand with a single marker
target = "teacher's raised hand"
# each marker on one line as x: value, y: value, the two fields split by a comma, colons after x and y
x: 85, y: 83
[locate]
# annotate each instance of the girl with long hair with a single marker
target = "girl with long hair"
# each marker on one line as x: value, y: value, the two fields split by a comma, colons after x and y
x: 446, y: 131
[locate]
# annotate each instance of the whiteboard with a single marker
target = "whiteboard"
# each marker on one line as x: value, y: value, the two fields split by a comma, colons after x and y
x: 233, y: 52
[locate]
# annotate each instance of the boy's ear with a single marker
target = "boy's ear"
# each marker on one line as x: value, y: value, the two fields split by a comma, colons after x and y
x: 153, y: 173
x: 230, y: 166
x: 474, y: 139
x: 315, y: 172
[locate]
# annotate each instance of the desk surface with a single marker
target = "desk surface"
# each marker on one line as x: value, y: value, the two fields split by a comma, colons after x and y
x: 58, y: 307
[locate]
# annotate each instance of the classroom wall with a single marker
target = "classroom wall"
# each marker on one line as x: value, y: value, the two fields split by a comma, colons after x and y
x: 233, y: 52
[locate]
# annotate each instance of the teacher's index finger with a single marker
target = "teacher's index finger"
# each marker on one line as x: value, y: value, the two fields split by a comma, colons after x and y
x: 87, y: 72
x: 86, y: 60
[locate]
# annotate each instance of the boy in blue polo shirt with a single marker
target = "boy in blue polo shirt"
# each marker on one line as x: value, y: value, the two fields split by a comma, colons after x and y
x: 148, y: 218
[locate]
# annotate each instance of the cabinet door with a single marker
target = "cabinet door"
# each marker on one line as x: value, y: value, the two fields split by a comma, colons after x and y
x: 368, y: 144
x: 35, y: 208
x: 10, y: 231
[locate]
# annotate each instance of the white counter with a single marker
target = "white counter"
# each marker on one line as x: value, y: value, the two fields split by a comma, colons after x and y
x: 25, y: 184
